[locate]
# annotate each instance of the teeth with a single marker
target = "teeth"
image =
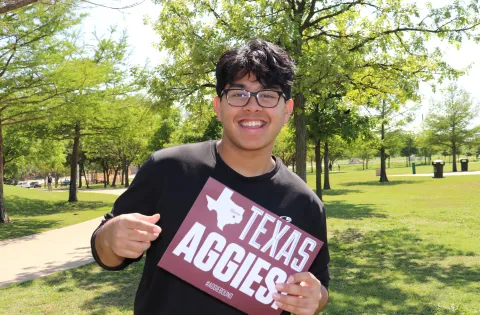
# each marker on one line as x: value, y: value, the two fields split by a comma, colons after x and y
x: 251, y: 123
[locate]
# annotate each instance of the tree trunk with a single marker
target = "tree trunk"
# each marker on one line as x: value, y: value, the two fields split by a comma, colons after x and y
x: 86, y: 179
x: 72, y: 197
x: 388, y: 162
x: 122, y: 178
x: 104, y: 178
x: 363, y: 164
x: 3, y: 213
x: 383, y: 171
x: 454, y: 151
x: 318, y: 170
x: 80, y: 175
x: 125, y: 166
x: 300, y: 137
x: 326, y: 164
x: 366, y: 164
x: 311, y: 165
x: 114, y: 178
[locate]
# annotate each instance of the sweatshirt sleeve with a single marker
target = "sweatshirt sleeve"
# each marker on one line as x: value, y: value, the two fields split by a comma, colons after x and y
x: 138, y: 198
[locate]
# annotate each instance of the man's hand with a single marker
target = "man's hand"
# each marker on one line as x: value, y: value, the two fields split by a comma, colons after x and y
x: 128, y: 235
x: 306, y: 295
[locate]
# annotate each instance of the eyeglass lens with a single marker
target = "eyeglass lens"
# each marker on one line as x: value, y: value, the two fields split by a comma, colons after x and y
x: 241, y: 97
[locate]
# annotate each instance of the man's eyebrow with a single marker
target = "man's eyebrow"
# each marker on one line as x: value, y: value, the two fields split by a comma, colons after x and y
x: 237, y: 85
x: 242, y: 86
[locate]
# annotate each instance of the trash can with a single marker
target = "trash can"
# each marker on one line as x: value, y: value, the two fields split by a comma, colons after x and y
x: 414, y: 171
x: 438, y: 168
x: 464, y: 164
x: 377, y: 172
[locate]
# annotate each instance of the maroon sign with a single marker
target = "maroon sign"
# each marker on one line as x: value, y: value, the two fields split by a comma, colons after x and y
x: 236, y: 251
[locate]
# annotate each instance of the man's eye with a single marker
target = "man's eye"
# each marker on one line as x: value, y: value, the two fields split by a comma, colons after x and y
x: 267, y: 96
x: 238, y: 94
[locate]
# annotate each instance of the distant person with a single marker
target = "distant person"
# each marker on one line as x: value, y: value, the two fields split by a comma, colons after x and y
x: 338, y: 164
x: 330, y: 166
x: 253, y: 102
x: 49, y: 182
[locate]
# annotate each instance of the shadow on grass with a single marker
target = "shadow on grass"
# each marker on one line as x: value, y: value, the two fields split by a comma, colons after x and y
x: 24, y: 227
x: 122, y: 284
x: 342, y: 210
x: 340, y: 192
x: 26, y: 207
x: 367, y: 272
x: 377, y: 183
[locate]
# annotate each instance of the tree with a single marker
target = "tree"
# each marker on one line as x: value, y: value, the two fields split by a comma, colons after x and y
x: 326, y: 121
x: 168, y: 122
x: 11, y: 5
x: 449, y: 122
x: 425, y: 148
x: 409, y: 147
x: 356, y: 28
x: 33, y: 46
x: 390, y: 118
x: 365, y: 147
x: 284, y: 146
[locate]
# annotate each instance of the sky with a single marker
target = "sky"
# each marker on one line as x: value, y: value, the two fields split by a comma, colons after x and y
x: 142, y: 39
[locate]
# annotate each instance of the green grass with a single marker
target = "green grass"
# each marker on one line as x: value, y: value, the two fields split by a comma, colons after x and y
x: 36, y: 210
x: 411, y: 246
x: 83, y: 290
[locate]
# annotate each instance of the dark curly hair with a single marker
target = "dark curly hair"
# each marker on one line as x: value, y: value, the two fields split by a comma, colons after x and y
x: 270, y: 64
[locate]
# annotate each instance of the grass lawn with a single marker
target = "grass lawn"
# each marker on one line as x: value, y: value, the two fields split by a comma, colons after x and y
x: 408, y: 247
x: 36, y: 210
x: 411, y: 246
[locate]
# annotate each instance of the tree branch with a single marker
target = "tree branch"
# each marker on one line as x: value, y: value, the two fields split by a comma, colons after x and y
x: 412, y: 29
x: 9, y: 60
x: 11, y: 5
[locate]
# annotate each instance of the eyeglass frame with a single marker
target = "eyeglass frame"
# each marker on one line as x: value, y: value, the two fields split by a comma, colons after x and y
x: 250, y: 94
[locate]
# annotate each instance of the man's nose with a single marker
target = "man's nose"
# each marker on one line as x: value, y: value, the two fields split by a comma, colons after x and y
x: 252, y: 105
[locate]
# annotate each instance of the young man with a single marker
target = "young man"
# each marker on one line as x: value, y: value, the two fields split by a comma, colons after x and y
x: 253, y: 103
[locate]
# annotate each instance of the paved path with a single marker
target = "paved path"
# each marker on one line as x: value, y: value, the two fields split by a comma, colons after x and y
x: 445, y: 174
x: 41, y: 254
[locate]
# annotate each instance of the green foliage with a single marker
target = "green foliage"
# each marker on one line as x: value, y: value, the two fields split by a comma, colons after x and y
x: 284, y: 146
x: 361, y: 51
x: 449, y: 121
x: 409, y: 147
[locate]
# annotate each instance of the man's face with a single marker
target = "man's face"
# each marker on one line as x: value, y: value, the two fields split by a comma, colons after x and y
x: 252, y: 127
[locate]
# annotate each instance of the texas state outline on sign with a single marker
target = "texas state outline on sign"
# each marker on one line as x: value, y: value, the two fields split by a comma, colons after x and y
x: 228, y: 212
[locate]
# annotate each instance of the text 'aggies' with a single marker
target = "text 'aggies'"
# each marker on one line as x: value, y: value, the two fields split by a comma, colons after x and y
x: 240, y: 268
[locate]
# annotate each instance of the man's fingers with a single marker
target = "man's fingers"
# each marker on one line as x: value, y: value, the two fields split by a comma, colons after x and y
x: 128, y: 254
x: 137, y: 224
x: 306, y: 277
x: 141, y: 236
x: 147, y: 218
x: 132, y: 246
x: 294, y: 309
x: 293, y: 289
x: 291, y: 300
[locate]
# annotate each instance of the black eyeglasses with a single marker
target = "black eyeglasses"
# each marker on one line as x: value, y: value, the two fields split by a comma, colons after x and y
x: 265, y: 98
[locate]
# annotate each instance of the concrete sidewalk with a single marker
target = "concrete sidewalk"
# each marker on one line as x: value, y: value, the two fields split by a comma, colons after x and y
x: 44, y: 253
x: 41, y: 254
x: 445, y: 174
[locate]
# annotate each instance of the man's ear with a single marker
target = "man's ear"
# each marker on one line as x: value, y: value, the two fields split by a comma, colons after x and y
x: 216, y: 107
x: 288, y: 110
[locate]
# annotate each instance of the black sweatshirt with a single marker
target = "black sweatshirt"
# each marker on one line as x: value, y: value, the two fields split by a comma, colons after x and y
x: 169, y: 183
